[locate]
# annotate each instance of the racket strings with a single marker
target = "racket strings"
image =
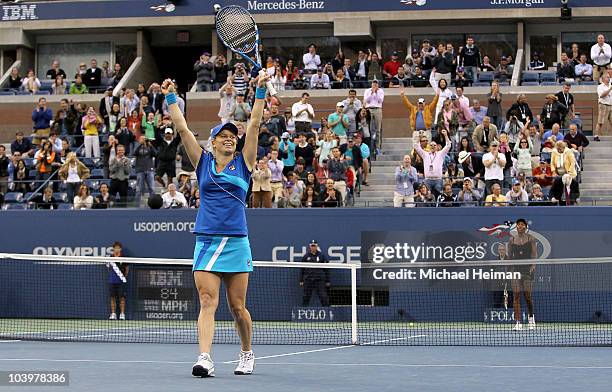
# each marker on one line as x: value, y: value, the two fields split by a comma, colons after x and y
x: 237, y: 29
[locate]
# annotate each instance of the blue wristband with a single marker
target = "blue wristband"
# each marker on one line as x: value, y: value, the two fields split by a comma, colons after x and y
x: 260, y: 93
x: 170, y: 98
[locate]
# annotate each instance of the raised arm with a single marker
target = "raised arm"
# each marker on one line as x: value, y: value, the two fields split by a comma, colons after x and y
x: 249, y: 151
x: 192, y: 147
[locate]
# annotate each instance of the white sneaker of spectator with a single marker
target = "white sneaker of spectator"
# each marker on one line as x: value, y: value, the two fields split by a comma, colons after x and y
x: 113, y: 316
x: 122, y: 316
x: 204, y: 367
x: 246, y: 363
x: 532, y: 324
x: 518, y: 326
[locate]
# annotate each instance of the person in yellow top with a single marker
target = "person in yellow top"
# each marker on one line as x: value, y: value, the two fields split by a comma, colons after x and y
x: 421, y: 115
x: 562, y: 161
x: 496, y: 199
x: 89, y: 127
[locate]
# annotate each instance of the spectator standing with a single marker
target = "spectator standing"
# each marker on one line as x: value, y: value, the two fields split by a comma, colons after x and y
x: 484, y: 135
x: 339, y: 123
x: 421, y: 115
x: 21, y: 173
x: 241, y: 110
x: 373, y: 101
x: 337, y: 167
x: 117, y: 74
x: 552, y: 112
x: 565, y: 69
x: 494, y: 110
x: 604, y: 103
x: 106, y: 107
x: 145, y: 154
x: 365, y: 157
x: 65, y: 119
x: 89, y: 127
x: 156, y: 97
x: 601, y: 54
x: 433, y: 162
x: 523, y: 150
x: 562, y: 160
x: 41, y: 117
x: 30, y: 83
x: 442, y: 63
x: 262, y: 188
x: 565, y: 98
x: 119, y: 173
x: 287, y: 151
x: 72, y: 173
x: 78, y: 87
x: 374, y: 67
x: 360, y: 69
x: 478, y: 112
x: 494, y: 163
x: 565, y: 191
x: 303, y: 114
x: 468, y: 196
x: 304, y: 150
x: 205, y: 73
x: 583, y: 70
x: 276, y: 175
x: 311, y: 59
x: 428, y: 53
x: 405, y: 179
x: 166, y: 156
x: 391, y: 67
x: 55, y: 70
x: 521, y: 109
x: 83, y: 200
x: 93, y: 76
x: 227, y: 94
x: 469, y: 58
x: 221, y: 71
x: 503, y: 71
x: 352, y: 106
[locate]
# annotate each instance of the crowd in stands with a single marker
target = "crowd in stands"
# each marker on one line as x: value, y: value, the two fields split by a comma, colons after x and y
x: 466, y: 152
x: 56, y: 82
x: 461, y: 67
x: 574, y: 67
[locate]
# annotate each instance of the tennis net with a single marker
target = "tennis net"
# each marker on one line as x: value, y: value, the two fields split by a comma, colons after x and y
x: 68, y: 298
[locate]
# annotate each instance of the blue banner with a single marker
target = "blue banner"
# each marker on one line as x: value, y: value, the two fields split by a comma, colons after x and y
x: 143, y: 8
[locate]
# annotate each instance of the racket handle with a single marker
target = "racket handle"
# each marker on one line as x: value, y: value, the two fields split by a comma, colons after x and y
x: 271, y: 88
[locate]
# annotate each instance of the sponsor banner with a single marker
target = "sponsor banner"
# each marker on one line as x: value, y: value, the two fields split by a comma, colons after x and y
x: 150, y: 8
x: 320, y: 314
x: 500, y: 316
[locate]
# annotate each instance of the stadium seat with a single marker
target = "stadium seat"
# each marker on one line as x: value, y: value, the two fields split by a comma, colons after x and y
x: 61, y: 196
x: 65, y: 206
x: 549, y: 84
x: 7, y: 93
x: 15, y: 206
x: 32, y: 174
x: 91, y: 163
x: 528, y: 76
x: 30, y: 195
x: 481, y: 84
x: 530, y: 84
x: 43, y: 92
x: 486, y: 76
x: 24, y: 93
x: 96, y: 174
x: 13, y: 197
x: 588, y: 83
x: 92, y: 184
x: 548, y: 76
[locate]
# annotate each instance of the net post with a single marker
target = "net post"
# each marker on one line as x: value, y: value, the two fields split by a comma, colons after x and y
x: 354, y: 304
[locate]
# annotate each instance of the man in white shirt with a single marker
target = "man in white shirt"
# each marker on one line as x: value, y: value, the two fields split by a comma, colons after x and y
x: 303, y: 113
x: 319, y: 80
x: 174, y: 199
x: 583, y: 70
x: 373, y: 100
x: 352, y: 106
x: 601, y: 54
x: 604, y: 101
x: 462, y: 98
x: 494, y: 163
x: 311, y: 59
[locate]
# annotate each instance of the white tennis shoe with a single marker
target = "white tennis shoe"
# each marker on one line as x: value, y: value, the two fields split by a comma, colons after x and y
x: 532, y: 324
x: 246, y: 363
x: 518, y: 326
x: 204, y: 367
x: 113, y: 316
x: 122, y: 316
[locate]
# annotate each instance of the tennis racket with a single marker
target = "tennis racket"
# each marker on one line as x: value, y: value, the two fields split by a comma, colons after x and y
x: 238, y: 31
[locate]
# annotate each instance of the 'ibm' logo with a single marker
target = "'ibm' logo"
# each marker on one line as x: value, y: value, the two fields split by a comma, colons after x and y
x: 19, y: 12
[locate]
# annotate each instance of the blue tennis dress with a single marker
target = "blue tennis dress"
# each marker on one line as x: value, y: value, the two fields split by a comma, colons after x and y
x: 222, y: 242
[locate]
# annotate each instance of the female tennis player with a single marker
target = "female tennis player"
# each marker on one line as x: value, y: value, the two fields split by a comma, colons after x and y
x: 222, y: 250
x: 522, y: 246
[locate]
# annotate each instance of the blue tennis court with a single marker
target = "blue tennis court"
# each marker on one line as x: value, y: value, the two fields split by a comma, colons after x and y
x: 163, y: 367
